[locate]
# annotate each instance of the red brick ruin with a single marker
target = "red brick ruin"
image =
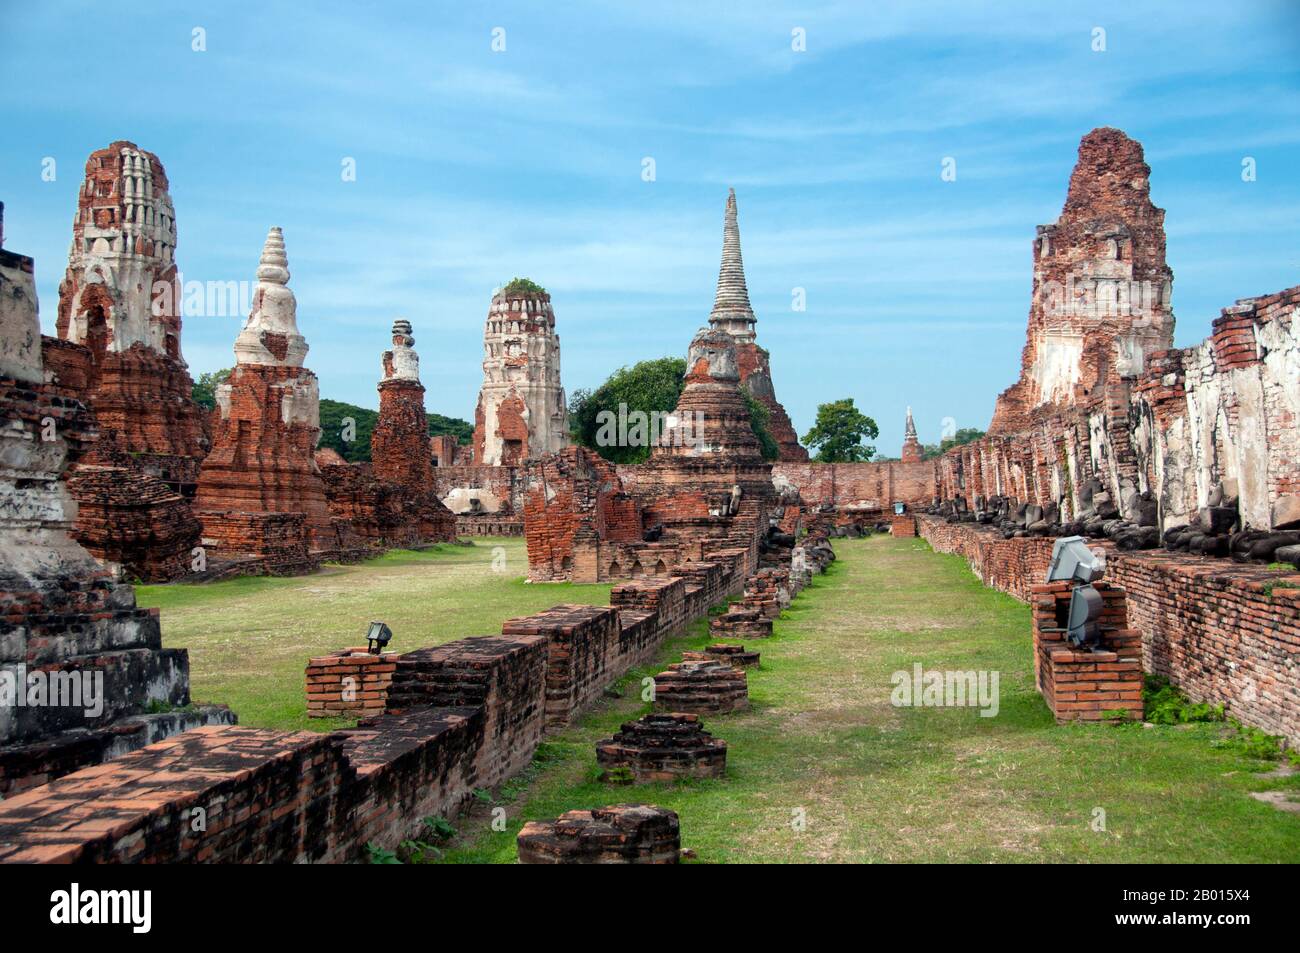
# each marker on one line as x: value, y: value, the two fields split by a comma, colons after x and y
x: 1182, y: 465
x: 733, y: 314
x: 68, y: 630
x: 390, y: 501
x: 260, y: 495
x: 119, y: 321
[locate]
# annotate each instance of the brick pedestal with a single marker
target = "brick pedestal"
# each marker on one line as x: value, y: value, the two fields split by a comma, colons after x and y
x: 662, y: 748
x: 903, y: 525
x: 740, y: 623
x: 621, y: 834
x: 350, y: 683
x: 733, y: 655
x: 1081, y: 685
x: 702, y: 688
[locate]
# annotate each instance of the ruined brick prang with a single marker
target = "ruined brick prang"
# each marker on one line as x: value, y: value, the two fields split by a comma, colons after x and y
x: 733, y: 313
x: 121, y: 298
x: 399, y: 445
x: 266, y: 429
x: 1101, y: 288
x: 1111, y: 430
x: 391, y: 502
x: 119, y: 324
x: 521, y: 409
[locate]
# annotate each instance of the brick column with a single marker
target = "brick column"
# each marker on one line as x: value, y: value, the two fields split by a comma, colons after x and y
x: 1081, y: 685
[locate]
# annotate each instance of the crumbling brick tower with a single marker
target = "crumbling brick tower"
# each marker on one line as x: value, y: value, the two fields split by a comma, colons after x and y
x: 912, y: 452
x: 260, y: 491
x: 121, y: 298
x: 399, y: 445
x: 733, y: 314
x: 70, y: 636
x: 119, y: 323
x: 706, y: 478
x: 521, y: 409
x: 1101, y: 288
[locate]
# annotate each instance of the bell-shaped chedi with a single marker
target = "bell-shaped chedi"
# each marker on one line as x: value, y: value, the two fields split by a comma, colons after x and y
x: 733, y: 314
x: 708, y: 459
x: 711, y: 421
x: 68, y: 630
x: 260, y: 492
x: 1101, y: 287
x: 521, y: 409
x: 121, y: 299
x: 912, y: 452
x: 399, y: 445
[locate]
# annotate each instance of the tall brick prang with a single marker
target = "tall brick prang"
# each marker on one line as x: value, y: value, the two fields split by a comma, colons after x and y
x: 733, y: 314
x: 521, y: 407
x: 119, y: 321
x: 1101, y: 289
x: 121, y: 298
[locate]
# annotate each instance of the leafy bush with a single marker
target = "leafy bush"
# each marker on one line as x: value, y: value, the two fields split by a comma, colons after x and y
x: 1166, y: 705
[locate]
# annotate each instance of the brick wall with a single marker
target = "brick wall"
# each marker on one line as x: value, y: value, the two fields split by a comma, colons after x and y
x: 459, y: 717
x: 1222, y: 632
x: 881, y: 484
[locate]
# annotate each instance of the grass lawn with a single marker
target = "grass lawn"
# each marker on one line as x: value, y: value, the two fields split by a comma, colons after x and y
x: 879, y: 783
x: 249, y: 638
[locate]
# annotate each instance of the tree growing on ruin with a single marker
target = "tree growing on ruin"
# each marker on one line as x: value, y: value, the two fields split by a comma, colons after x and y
x: 522, y: 286
x: 965, y: 435
x: 839, y: 433
x: 648, y: 388
x: 204, y: 391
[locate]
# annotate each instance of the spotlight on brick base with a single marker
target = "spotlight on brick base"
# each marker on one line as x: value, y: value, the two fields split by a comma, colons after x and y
x: 733, y: 655
x: 621, y: 834
x: 1082, y: 685
x: 351, y: 683
x: 662, y: 748
x: 701, y: 688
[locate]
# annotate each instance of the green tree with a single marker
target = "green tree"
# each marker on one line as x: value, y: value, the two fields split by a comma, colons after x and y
x: 649, y: 387
x: 965, y: 435
x: 204, y: 390
x: 839, y: 431
x: 333, y: 416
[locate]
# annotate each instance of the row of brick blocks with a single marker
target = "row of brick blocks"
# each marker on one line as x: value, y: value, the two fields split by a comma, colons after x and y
x: 459, y: 717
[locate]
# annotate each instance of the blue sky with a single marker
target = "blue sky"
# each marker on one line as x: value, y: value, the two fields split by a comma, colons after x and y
x: 475, y: 166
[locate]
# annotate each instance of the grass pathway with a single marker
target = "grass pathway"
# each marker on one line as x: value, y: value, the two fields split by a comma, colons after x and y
x: 873, y: 782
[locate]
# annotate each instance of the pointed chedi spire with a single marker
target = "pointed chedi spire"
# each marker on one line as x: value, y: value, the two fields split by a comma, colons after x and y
x: 270, y: 335
x: 912, y: 450
x: 731, y: 308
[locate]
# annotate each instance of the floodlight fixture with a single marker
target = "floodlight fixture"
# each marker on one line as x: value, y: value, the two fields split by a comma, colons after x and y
x: 1073, y: 561
x: 378, y: 636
